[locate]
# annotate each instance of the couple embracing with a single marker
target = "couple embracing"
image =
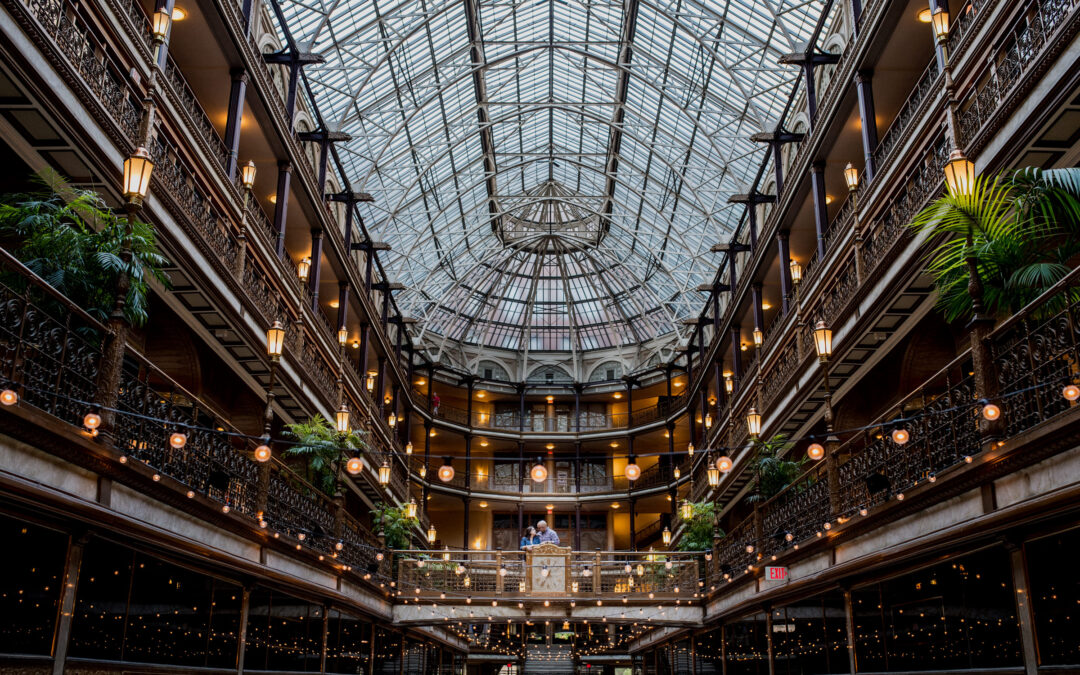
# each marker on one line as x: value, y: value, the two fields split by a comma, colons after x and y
x: 540, y: 534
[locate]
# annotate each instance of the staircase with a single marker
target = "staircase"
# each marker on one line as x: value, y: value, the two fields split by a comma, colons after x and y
x: 549, y: 659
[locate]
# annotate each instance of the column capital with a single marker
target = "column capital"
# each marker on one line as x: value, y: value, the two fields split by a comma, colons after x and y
x: 239, y: 74
x: 285, y: 166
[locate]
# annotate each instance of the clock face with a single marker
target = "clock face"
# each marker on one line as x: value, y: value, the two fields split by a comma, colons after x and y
x: 555, y: 581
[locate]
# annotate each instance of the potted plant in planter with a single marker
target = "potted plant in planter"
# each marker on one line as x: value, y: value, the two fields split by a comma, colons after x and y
x: 774, y: 473
x: 393, y: 524
x: 1025, y: 236
x: 322, y: 448
x: 71, y: 239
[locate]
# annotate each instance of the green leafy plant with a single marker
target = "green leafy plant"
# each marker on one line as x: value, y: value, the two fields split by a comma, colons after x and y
x: 773, y: 472
x: 71, y: 239
x: 394, y: 525
x: 1024, y: 226
x: 697, y: 532
x: 320, y: 446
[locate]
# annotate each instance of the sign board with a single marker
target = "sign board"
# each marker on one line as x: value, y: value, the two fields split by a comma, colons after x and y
x: 776, y: 574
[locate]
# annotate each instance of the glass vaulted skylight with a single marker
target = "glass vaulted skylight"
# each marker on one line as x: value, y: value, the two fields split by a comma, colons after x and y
x: 551, y: 174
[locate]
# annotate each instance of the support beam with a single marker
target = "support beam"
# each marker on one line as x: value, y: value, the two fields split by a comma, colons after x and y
x: 751, y: 201
x: 776, y: 140
x: 784, y: 244
x: 821, y: 209
x: 755, y: 305
x: 865, y: 93
x: 281, y: 206
x: 483, y: 119
x: 315, y: 274
x: 234, y: 115
x: 294, y: 60
x: 736, y: 355
x: 622, y: 87
x: 325, y: 139
x: 809, y: 60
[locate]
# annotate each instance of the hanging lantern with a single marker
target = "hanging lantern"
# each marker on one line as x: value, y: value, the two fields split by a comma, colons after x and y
x: 900, y: 436
x: 690, y: 449
x: 816, y: 451
x: 177, y: 440
x: 641, y: 568
x: 262, y: 453
x: 538, y: 472
x: 275, y: 340
x: 729, y: 383
x: 343, y: 336
x: 354, y: 466
x: 687, y: 510
x: 1071, y: 392
x: 247, y: 175
x: 960, y: 174
x: 384, y: 474
x: 708, y: 421
x: 369, y: 383
x: 137, y: 170
x: 633, y: 471
x: 677, y: 473
x: 342, y: 417
x: 161, y: 22
x: 796, y: 271
x: 759, y: 337
x: 713, y: 475
x: 423, y: 471
x: 724, y: 464
x: 940, y: 19
x: 991, y: 412
x: 9, y: 397
x: 753, y: 422
x: 446, y: 471
x: 303, y: 268
x: 91, y: 421
x: 446, y: 550
x: 851, y: 177
x: 666, y: 536
x: 822, y: 340
x: 392, y: 421
x: 410, y: 509
x: 431, y: 534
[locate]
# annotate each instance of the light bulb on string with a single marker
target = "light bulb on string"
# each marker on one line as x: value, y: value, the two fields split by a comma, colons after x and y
x: 9, y: 397
x: 815, y: 451
x: 91, y: 421
x: 1071, y: 392
x: 178, y: 440
x: 262, y: 453
x: 991, y: 412
x: 900, y: 436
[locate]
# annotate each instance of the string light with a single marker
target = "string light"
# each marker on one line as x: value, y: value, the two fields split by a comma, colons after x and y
x: 262, y: 453
x: 815, y: 451
x: 1071, y: 392
x: 900, y: 436
x: 8, y: 397
x: 991, y: 412
x: 91, y: 421
x: 724, y: 464
x: 178, y: 440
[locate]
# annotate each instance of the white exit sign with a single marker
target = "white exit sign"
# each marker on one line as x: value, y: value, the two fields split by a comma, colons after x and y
x: 775, y: 574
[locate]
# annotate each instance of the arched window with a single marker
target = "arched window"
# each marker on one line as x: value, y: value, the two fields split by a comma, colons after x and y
x: 549, y: 375
x: 606, y: 371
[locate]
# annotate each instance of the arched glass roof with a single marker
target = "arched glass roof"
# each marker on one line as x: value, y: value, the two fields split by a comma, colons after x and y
x: 551, y: 174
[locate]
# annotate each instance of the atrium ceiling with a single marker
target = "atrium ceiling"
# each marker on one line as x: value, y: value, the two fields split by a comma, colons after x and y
x: 551, y: 174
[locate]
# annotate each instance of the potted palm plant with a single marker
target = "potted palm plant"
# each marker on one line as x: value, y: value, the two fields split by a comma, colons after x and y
x: 774, y: 472
x: 71, y: 239
x: 321, y: 448
x: 1024, y: 229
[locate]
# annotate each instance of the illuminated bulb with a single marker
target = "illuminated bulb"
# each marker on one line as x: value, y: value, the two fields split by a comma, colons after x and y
x: 339, y: 545
x: 724, y: 463
x: 932, y: 478
x: 1071, y: 392
x: 677, y: 473
x: 900, y: 436
x: 991, y: 412
x: 538, y: 473
x: 968, y: 459
x: 355, y: 465
x: 900, y: 496
x: 178, y: 440
x: 863, y: 511
x: 816, y: 451
x: 91, y: 421
x: 408, y: 448
x: 190, y: 494
x: 749, y: 548
x: 446, y: 471
x: 262, y: 453
x: 827, y: 525
x: 633, y: 471
x: 225, y: 508
x: 9, y: 397
x: 789, y: 536
x: 690, y: 449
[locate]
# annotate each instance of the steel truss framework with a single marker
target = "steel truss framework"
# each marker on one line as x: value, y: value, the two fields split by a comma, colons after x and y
x: 639, y: 110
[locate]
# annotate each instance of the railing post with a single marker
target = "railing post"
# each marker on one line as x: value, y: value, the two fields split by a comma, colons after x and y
x: 597, y: 584
x: 499, y: 579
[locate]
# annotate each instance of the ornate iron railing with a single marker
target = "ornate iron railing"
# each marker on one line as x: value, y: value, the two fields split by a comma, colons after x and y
x: 587, y: 575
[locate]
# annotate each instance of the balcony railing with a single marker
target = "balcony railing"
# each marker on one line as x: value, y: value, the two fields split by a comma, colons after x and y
x: 54, y: 364
x: 1035, y: 353
x: 584, y: 576
x: 510, y: 422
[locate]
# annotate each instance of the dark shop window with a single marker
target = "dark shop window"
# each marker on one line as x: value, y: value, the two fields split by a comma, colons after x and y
x: 958, y: 614
x: 1055, y: 596
x: 284, y: 633
x: 810, y: 636
x: 30, y: 596
x: 747, y: 646
x: 348, y: 644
